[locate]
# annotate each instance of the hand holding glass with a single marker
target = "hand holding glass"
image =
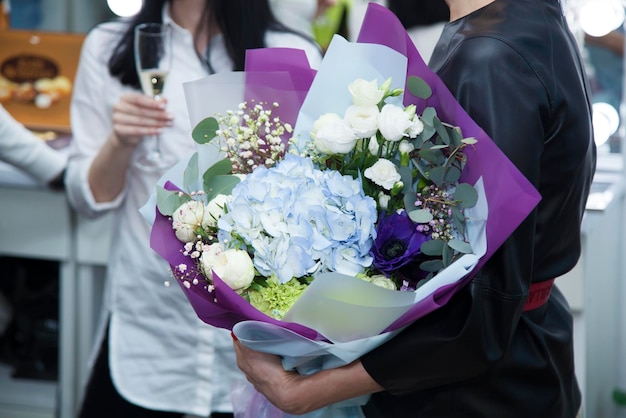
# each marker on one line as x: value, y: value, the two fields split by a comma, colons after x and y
x: 153, y: 57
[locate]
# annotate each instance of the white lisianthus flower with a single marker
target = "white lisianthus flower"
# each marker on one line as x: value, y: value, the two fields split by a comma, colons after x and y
x: 416, y: 127
x: 405, y: 147
x: 235, y: 268
x: 384, y: 173
x: 383, y: 200
x: 373, y: 146
x: 382, y: 281
x: 365, y: 93
x: 186, y: 219
x: 332, y: 135
x: 363, y: 120
x: 215, y: 209
x: 393, y: 122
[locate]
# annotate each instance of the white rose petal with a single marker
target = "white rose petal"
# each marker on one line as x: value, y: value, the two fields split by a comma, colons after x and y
x: 209, y: 257
x: 363, y: 120
x: 235, y: 268
x: 186, y: 219
x: 384, y: 173
x: 416, y: 127
x: 365, y: 93
x: 215, y: 209
x: 393, y: 122
x: 332, y: 135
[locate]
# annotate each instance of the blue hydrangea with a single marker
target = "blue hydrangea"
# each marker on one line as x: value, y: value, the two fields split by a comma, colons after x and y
x: 298, y: 220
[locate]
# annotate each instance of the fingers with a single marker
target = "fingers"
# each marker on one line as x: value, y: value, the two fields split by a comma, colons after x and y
x: 137, y: 115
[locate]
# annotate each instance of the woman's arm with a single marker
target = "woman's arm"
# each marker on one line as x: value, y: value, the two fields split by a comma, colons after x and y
x: 298, y: 394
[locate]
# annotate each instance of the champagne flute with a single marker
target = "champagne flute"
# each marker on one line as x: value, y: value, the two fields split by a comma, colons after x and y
x: 153, y: 59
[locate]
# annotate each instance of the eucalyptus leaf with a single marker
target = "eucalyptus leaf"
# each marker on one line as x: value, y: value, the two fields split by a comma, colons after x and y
x: 406, y: 175
x: 442, y: 131
x: 219, y: 168
x: 458, y: 217
x: 432, y: 265
x: 437, y: 175
x: 169, y: 200
x: 466, y: 194
x: 460, y: 246
x: 418, y: 87
x: 433, y: 156
x: 469, y: 141
x: 410, y: 198
x: 222, y: 184
x: 420, y: 216
x: 446, y: 257
x: 428, y: 115
x: 205, y: 130
x: 433, y: 247
x: 453, y: 174
x: 456, y: 137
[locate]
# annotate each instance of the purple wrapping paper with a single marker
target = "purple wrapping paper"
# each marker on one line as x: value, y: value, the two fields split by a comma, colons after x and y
x: 511, y: 197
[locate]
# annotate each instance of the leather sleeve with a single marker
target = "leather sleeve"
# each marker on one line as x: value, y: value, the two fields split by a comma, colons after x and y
x: 503, y: 94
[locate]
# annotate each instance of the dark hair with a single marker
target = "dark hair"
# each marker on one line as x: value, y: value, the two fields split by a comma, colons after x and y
x: 420, y: 12
x: 243, y: 24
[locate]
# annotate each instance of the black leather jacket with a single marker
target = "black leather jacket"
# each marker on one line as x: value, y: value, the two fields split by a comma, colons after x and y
x: 515, y: 67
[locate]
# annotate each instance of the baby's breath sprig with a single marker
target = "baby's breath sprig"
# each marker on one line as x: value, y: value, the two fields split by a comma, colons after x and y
x: 251, y: 136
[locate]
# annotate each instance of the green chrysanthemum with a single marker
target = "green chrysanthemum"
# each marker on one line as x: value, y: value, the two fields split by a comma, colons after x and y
x: 275, y: 299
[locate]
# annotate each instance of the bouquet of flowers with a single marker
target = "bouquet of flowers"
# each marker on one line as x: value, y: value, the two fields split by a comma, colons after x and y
x: 347, y: 205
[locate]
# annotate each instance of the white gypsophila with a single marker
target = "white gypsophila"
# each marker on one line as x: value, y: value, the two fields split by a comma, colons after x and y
x: 393, y: 122
x: 186, y: 219
x: 235, y: 268
x: 365, y: 93
x: 332, y: 135
x: 382, y: 281
x: 214, y: 209
x: 384, y: 173
x: 363, y: 120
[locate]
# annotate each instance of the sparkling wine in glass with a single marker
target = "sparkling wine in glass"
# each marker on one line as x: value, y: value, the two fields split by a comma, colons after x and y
x: 153, y: 58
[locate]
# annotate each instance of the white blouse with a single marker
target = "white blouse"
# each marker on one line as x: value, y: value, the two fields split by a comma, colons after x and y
x: 161, y: 355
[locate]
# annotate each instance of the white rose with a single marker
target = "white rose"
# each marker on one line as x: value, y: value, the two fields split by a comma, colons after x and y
x: 393, y: 122
x: 363, y: 120
x: 382, y: 281
x: 209, y: 256
x: 416, y: 127
x: 215, y: 209
x: 365, y: 93
x: 186, y: 219
x: 332, y: 135
x: 235, y: 268
x: 384, y: 173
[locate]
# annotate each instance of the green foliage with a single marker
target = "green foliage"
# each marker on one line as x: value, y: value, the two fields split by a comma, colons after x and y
x: 168, y: 201
x: 205, y: 131
x: 418, y: 87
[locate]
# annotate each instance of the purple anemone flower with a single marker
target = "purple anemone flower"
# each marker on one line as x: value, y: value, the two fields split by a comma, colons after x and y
x: 397, y: 245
